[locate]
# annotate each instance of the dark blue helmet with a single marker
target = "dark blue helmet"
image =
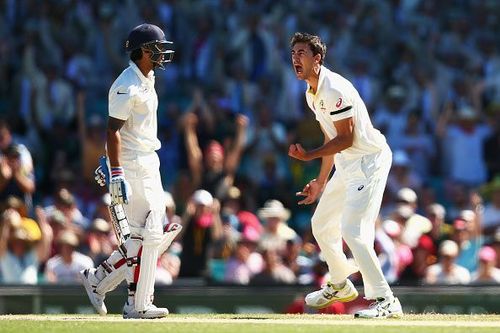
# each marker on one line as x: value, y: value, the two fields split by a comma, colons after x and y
x: 151, y: 38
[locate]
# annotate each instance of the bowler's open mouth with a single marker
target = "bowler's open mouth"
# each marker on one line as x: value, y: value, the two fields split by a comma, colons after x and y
x: 298, y: 69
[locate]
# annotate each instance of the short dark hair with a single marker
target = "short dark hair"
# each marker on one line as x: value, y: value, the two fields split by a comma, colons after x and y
x: 315, y: 43
x: 136, y: 55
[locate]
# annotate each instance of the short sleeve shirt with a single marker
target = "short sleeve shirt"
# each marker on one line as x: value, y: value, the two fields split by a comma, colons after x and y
x: 337, y: 99
x: 133, y: 98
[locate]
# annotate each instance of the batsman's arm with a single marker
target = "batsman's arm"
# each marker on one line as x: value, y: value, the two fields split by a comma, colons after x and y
x: 113, y: 141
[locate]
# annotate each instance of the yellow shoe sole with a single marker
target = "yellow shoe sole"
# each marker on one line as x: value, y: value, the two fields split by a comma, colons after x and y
x: 343, y: 300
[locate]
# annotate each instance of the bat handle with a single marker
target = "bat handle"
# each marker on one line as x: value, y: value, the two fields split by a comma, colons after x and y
x: 103, y: 162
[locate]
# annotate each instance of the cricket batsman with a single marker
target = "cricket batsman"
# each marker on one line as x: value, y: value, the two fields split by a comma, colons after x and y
x: 350, y: 201
x: 134, y: 178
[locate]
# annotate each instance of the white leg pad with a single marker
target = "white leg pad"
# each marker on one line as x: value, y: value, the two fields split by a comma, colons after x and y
x: 113, y: 270
x: 170, y: 231
x: 152, y: 238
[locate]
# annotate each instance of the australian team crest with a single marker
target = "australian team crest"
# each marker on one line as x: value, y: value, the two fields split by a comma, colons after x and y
x: 322, y: 105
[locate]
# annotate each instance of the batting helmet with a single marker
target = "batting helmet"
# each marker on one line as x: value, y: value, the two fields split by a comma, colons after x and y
x: 151, y: 38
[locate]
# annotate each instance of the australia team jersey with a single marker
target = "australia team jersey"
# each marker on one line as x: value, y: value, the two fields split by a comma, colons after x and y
x: 336, y: 99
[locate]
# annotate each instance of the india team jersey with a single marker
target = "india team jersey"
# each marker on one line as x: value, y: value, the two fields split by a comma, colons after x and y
x: 337, y: 99
x: 132, y: 98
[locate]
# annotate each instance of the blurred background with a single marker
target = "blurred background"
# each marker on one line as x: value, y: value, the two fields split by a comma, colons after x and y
x: 428, y: 71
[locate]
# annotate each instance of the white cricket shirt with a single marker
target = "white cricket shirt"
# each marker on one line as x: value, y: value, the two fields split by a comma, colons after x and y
x: 132, y: 98
x: 336, y: 99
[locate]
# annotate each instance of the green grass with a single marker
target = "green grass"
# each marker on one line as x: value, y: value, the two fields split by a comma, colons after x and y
x: 228, y: 323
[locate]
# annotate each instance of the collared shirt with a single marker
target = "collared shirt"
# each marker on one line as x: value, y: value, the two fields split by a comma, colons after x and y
x: 336, y: 99
x: 132, y: 98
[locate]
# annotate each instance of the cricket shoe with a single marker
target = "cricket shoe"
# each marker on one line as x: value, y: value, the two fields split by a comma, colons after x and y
x: 87, y: 276
x: 328, y: 294
x: 382, y: 308
x: 152, y: 312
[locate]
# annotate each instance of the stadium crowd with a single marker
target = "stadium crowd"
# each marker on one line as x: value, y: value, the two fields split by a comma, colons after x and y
x: 229, y: 107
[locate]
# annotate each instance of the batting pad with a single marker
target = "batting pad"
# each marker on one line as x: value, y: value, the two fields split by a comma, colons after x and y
x: 116, y: 267
x: 152, y: 237
x: 170, y: 231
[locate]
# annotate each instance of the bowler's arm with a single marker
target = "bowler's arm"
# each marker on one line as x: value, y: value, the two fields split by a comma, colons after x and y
x: 343, y: 140
x: 327, y: 163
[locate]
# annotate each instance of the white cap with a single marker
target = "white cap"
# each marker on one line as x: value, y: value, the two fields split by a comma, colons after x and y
x: 391, y: 228
x: 437, y: 209
x: 467, y: 215
x: 202, y: 197
x: 415, y: 226
x: 274, y: 208
x: 68, y: 237
x: 407, y: 195
x: 448, y: 248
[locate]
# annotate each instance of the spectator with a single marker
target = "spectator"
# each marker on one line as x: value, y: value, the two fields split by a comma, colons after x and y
x: 91, y: 134
x: 65, y: 202
x: 276, y: 231
x: 392, y: 117
x: 491, y: 215
x: 170, y: 207
x: 100, y: 241
x: 446, y: 271
x: 467, y: 235
x: 168, y: 268
x: 245, y: 261
x: 274, y: 272
x: 265, y: 155
x: 495, y: 244
x: 407, y: 196
x: 202, y: 226
x: 64, y: 268
x: 436, y: 213
x: 101, y: 208
x: 298, y: 262
x: 216, y: 174
x: 385, y: 248
x: 16, y: 168
x: 490, y: 148
x: 24, y: 245
x: 424, y: 255
x: 418, y: 145
x: 403, y: 253
x: 464, y: 142
x: 401, y: 174
x: 487, y: 272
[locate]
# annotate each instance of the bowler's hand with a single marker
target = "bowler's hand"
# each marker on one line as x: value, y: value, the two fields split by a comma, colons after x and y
x: 311, y: 192
x: 296, y: 151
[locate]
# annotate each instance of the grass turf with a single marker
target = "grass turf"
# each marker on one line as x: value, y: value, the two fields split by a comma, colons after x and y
x: 243, y: 323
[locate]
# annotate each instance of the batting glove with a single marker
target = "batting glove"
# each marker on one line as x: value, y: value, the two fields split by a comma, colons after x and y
x: 119, y: 188
x: 99, y: 176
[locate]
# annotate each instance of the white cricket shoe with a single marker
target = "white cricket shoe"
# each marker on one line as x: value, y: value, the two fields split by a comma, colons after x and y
x: 152, y: 312
x: 87, y: 276
x: 382, y: 308
x: 328, y: 294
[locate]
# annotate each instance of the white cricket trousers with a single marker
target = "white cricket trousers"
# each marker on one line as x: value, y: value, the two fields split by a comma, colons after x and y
x: 348, y: 209
x: 145, y: 212
x: 142, y: 171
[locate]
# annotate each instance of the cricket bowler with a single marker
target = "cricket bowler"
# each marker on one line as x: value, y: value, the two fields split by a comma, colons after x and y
x: 350, y: 201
